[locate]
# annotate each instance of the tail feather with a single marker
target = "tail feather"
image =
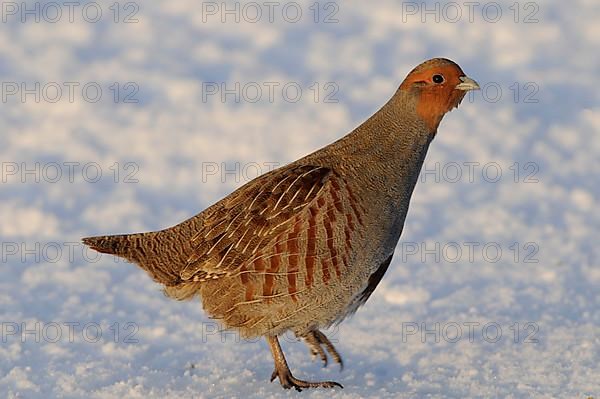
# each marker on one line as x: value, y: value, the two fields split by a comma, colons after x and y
x: 114, y: 245
x: 148, y: 250
x: 163, y: 254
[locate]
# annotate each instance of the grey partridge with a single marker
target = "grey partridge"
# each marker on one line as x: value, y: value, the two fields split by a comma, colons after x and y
x: 303, y: 246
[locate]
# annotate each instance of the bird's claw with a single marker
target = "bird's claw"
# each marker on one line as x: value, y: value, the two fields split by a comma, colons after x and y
x: 288, y: 381
x: 318, y: 350
x: 317, y: 343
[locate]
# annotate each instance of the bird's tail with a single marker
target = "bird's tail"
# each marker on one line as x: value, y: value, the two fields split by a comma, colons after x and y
x: 151, y: 251
x: 162, y: 254
x: 118, y: 245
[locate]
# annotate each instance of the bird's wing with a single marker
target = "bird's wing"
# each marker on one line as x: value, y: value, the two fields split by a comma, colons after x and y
x: 251, y: 218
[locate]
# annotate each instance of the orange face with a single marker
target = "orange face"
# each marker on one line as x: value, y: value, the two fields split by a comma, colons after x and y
x: 440, y: 86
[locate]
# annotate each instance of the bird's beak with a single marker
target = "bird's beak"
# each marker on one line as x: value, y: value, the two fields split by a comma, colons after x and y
x: 466, y: 84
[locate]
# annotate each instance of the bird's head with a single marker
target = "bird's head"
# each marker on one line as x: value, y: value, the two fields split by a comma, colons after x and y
x: 437, y: 86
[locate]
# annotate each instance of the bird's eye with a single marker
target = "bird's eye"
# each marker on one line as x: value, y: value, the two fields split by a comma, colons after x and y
x: 438, y: 79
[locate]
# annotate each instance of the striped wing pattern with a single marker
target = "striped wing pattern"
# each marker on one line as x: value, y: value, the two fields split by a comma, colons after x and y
x: 312, y: 250
x: 248, y: 221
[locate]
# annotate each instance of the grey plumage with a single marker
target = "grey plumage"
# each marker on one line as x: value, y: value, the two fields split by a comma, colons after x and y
x: 303, y: 246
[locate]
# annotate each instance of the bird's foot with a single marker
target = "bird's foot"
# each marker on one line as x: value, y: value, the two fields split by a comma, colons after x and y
x: 317, y: 342
x: 288, y: 381
x: 282, y: 370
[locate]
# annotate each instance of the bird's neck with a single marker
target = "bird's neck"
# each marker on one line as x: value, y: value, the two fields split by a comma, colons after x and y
x: 384, y: 156
x: 389, y: 148
x: 395, y: 163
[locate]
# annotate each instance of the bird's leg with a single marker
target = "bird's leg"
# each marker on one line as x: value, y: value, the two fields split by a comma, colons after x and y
x: 315, y: 340
x: 282, y: 371
x: 323, y: 340
x: 315, y: 347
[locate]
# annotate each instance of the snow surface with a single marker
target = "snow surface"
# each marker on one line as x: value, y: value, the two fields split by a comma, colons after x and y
x: 542, y: 291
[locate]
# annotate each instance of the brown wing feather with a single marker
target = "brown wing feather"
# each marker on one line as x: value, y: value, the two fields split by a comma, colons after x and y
x: 251, y: 219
